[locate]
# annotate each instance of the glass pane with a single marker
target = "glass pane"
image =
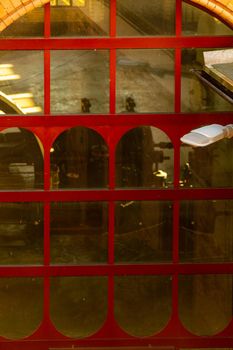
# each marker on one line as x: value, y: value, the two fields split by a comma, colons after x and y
x: 205, y: 303
x: 136, y: 18
x: 29, y: 24
x: 21, y: 307
x: 142, y: 303
x: 143, y: 231
x: 210, y: 166
x: 206, y: 231
x: 198, y: 22
x: 80, y: 18
x: 21, y: 82
x: 21, y: 160
x: 79, y: 232
x: 145, y: 81
x: 80, y: 81
x: 215, y: 67
x: 78, y: 305
x: 21, y: 233
x: 144, y: 158
x: 79, y: 159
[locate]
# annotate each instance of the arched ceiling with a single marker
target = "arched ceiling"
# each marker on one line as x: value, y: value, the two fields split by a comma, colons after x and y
x: 10, y: 10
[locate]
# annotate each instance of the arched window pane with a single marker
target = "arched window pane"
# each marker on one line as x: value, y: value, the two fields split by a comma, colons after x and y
x: 21, y: 233
x: 142, y: 303
x: 30, y: 24
x: 144, y: 158
x: 79, y: 159
x: 79, y: 81
x: 21, y: 160
x: 206, y: 231
x: 22, y: 82
x: 79, y: 232
x: 145, y: 81
x: 136, y: 18
x: 205, y: 303
x: 78, y: 305
x: 143, y: 231
x: 79, y: 18
x: 21, y: 306
x: 210, y: 166
x: 198, y: 22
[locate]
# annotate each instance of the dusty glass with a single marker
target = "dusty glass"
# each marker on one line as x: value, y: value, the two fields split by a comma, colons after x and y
x: 79, y: 18
x: 137, y: 18
x: 144, y: 158
x: 142, y: 303
x: 79, y: 159
x: 145, y: 81
x: 21, y: 233
x: 80, y: 81
x: 21, y: 160
x: 21, y: 82
x: 21, y: 307
x: 143, y: 231
x: 205, y: 303
x: 79, y: 232
x: 210, y: 166
x: 198, y: 22
x: 206, y: 231
x: 78, y: 305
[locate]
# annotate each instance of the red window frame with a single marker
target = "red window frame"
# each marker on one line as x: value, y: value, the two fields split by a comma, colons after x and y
x: 112, y: 126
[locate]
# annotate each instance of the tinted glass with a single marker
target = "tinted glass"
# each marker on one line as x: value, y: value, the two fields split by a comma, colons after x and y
x: 21, y: 160
x: 143, y: 231
x: 79, y: 232
x: 79, y: 159
x: 21, y: 307
x: 144, y: 158
x: 145, y: 81
x: 142, y: 303
x: 206, y: 231
x: 79, y: 81
x: 205, y: 303
x: 136, y: 18
x: 21, y: 82
x: 80, y: 18
x: 78, y: 305
x: 198, y: 22
x: 210, y: 166
x: 21, y: 233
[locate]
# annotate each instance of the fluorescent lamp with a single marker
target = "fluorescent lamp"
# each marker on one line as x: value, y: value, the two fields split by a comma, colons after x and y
x: 207, y: 135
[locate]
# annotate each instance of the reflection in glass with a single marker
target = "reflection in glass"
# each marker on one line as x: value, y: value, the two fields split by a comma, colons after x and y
x: 21, y: 306
x: 144, y: 158
x: 79, y: 159
x: 197, y: 96
x: 30, y: 24
x: 142, y: 303
x: 80, y: 18
x: 147, y: 77
x: 210, y: 166
x: 206, y: 231
x: 205, y: 303
x: 80, y: 81
x: 21, y: 233
x: 22, y: 81
x: 78, y: 305
x: 21, y: 160
x: 198, y: 22
x: 79, y: 232
x: 143, y: 231
x: 136, y: 18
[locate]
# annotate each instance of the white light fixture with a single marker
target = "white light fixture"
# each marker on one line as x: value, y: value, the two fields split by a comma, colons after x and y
x: 207, y: 135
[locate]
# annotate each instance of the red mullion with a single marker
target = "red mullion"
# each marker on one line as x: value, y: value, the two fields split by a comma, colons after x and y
x: 113, y: 18
x: 178, y: 17
x: 47, y: 61
x: 112, y: 94
x: 177, y: 80
x: 47, y: 20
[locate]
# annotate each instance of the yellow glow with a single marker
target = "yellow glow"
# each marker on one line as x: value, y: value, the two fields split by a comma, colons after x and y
x: 9, y: 77
x: 19, y: 96
x: 31, y: 110
x: 52, y: 150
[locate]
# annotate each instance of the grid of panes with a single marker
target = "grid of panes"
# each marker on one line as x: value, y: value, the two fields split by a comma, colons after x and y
x: 130, y: 233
